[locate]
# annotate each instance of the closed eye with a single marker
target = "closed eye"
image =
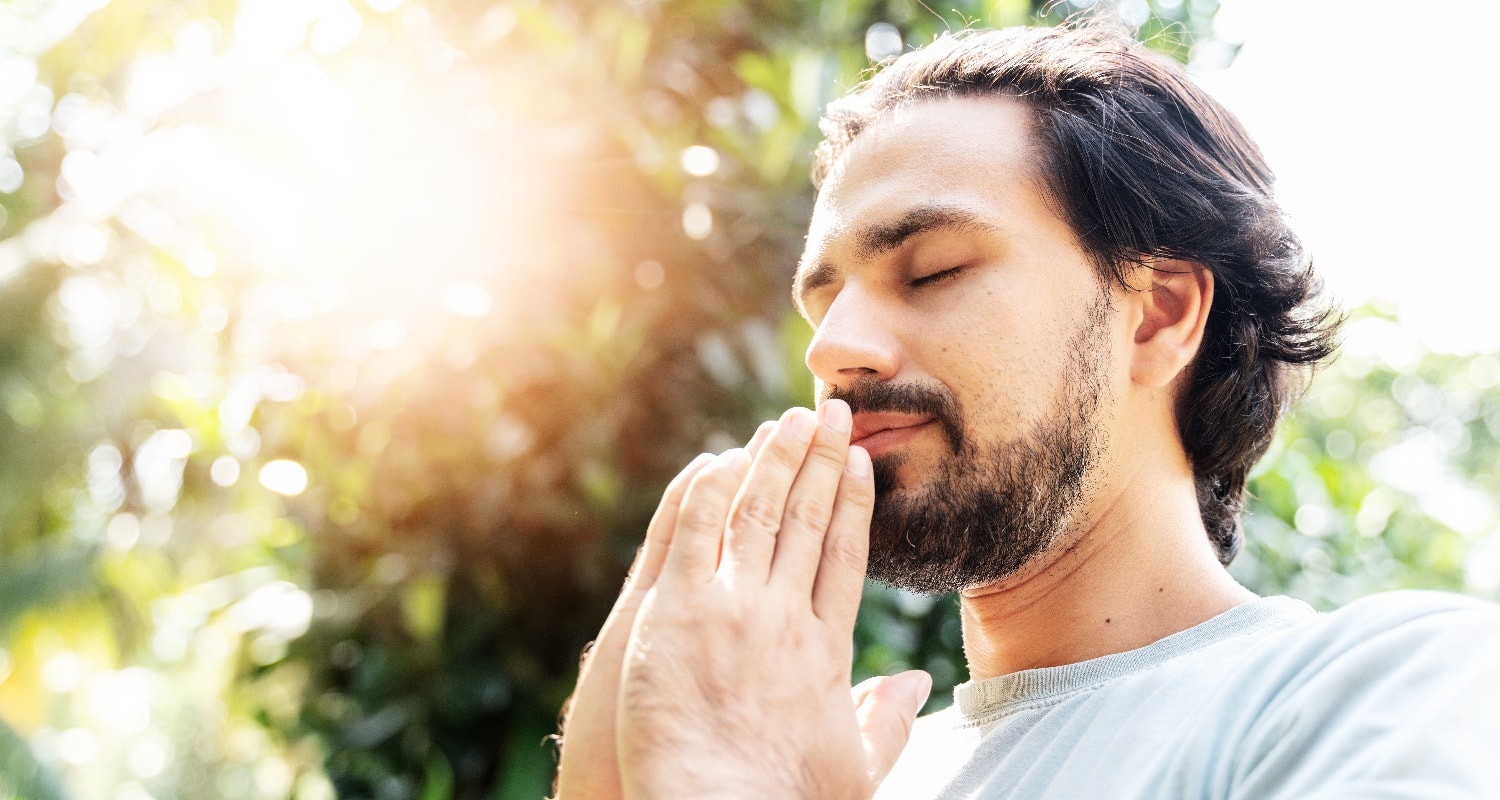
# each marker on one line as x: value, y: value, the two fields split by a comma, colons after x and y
x: 936, y: 277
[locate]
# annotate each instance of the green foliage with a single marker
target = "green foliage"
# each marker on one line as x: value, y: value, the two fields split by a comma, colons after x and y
x: 335, y: 541
x: 21, y: 776
x: 1383, y: 479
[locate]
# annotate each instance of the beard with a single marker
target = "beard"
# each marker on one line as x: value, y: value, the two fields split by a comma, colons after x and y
x: 990, y: 509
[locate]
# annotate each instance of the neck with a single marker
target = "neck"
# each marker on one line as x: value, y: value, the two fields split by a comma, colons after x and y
x: 1138, y: 572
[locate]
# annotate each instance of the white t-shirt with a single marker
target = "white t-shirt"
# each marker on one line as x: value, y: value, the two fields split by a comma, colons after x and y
x: 1395, y: 696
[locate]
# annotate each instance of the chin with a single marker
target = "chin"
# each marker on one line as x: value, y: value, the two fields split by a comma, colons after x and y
x: 968, y: 522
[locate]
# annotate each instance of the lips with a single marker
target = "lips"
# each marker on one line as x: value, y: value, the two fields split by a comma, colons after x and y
x: 872, y: 429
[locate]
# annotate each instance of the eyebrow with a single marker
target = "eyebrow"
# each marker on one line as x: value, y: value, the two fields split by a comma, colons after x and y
x: 881, y: 238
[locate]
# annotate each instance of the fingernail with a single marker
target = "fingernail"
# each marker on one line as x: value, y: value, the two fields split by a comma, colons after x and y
x: 835, y: 414
x: 921, y: 689
x: 761, y: 435
x: 696, y: 465
x: 737, y: 459
x: 857, y: 463
x: 801, y: 423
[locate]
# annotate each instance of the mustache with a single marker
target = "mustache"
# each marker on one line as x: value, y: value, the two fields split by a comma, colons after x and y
x: 875, y: 396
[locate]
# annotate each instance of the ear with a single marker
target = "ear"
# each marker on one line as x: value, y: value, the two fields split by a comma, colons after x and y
x: 1172, y: 299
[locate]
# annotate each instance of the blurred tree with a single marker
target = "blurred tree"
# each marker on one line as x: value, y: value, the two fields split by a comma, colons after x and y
x: 344, y: 352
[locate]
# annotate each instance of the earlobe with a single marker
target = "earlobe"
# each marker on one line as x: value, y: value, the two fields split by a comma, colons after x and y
x: 1174, y: 298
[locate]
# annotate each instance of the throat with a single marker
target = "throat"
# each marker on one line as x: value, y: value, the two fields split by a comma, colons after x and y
x: 1096, y: 597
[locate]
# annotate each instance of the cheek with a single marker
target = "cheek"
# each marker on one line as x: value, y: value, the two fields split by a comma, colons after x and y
x: 1003, y: 366
x: 991, y: 368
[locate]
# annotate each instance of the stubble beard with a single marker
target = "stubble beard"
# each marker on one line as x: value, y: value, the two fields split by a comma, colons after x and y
x: 992, y: 508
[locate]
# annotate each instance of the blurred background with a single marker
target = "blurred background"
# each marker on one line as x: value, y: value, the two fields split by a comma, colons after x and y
x: 346, y: 345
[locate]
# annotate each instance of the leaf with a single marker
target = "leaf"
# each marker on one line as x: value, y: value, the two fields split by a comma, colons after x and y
x: 42, y: 579
x: 422, y: 604
x: 439, y: 778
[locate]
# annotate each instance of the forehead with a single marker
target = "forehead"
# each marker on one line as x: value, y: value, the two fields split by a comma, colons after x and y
x: 970, y: 153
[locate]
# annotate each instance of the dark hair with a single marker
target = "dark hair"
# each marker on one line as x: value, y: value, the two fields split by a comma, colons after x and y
x: 1144, y: 165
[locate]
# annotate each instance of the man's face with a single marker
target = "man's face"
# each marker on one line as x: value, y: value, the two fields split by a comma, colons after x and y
x: 968, y: 330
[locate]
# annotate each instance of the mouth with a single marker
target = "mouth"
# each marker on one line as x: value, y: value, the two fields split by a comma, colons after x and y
x: 880, y: 433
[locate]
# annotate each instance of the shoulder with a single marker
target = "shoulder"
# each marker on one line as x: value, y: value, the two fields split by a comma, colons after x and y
x: 1400, y: 620
x: 1396, y: 689
x: 1390, y: 608
x: 1379, y: 643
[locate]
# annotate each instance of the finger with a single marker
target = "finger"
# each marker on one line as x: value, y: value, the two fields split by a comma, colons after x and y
x: 694, y: 552
x: 588, y: 767
x: 809, y: 507
x: 755, y: 517
x: 753, y: 448
x: 885, y: 714
x: 846, y: 548
x: 612, y: 636
x: 761, y: 434
x: 663, y: 523
x: 859, y: 691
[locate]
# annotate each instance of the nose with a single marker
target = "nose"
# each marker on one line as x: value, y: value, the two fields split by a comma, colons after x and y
x: 854, y: 340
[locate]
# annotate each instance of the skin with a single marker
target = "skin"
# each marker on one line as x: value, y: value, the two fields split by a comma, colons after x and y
x: 756, y: 550
x: 724, y: 670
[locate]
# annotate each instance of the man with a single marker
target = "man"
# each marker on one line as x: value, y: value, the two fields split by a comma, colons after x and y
x: 1050, y: 282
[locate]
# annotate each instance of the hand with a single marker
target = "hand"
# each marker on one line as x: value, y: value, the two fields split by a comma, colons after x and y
x: 588, y: 769
x: 736, y: 675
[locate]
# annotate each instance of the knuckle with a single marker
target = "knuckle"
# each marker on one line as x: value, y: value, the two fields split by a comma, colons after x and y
x: 858, y: 492
x: 845, y: 552
x: 740, y: 624
x: 758, y: 512
x: 829, y: 455
x: 698, y: 518
x: 715, y: 480
x: 785, y: 451
x: 713, y: 475
x: 812, y: 512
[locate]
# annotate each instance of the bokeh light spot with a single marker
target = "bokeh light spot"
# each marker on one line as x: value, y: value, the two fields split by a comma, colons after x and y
x: 1312, y: 519
x: 465, y: 299
x: 175, y: 443
x: 700, y: 161
x: 11, y: 175
x: 1484, y: 372
x: 284, y: 477
x: 123, y: 531
x: 201, y: 264
x: 387, y: 334
x: 78, y: 745
x: 883, y: 42
x: 225, y: 470
x: 343, y: 511
x: 63, y: 672
x: 650, y: 275
x: 148, y: 758
x: 697, y: 221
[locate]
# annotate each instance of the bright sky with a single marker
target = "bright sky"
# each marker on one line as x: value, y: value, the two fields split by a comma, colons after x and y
x: 1381, y: 119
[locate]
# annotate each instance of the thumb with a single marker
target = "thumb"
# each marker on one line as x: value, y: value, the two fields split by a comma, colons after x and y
x: 887, y: 707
